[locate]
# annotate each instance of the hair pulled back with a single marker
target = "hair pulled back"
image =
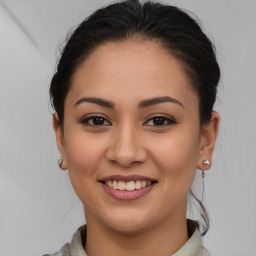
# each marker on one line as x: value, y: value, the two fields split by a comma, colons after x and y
x: 171, y: 27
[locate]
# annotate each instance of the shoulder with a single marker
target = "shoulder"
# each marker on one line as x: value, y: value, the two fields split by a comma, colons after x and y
x: 193, y: 247
x: 65, y: 251
x: 205, y: 252
x: 75, y: 248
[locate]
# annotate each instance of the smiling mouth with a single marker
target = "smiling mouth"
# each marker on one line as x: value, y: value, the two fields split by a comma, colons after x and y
x: 128, y: 186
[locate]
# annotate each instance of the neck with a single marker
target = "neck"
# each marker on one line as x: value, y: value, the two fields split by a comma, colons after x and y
x: 162, y: 240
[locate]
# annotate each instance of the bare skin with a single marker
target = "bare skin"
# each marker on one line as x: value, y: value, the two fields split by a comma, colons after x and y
x: 128, y: 133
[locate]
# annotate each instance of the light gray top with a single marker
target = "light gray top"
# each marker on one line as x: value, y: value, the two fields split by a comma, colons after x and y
x: 193, y: 247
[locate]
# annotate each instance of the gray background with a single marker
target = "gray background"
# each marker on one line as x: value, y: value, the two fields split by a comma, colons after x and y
x: 39, y: 210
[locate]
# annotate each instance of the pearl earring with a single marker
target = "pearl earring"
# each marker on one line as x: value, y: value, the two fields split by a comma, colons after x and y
x: 60, y: 160
x: 205, y: 163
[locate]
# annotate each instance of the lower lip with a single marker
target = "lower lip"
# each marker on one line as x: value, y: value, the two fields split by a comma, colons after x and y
x: 127, y: 195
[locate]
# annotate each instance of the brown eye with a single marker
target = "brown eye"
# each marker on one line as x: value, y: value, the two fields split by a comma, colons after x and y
x: 160, y: 121
x: 96, y: 121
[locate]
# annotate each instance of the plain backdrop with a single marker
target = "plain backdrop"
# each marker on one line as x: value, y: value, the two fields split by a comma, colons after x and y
x: 39, y: 210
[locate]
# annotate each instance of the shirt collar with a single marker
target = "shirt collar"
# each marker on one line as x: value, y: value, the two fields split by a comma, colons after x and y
x: 193, y: 247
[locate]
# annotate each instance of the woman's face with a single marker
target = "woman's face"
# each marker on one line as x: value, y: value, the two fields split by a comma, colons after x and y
x: 132, y: 120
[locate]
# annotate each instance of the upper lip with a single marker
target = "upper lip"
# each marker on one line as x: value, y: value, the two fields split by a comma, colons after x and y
x: 126, y: 178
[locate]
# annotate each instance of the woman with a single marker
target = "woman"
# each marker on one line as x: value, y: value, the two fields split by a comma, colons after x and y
x: 133, y: 94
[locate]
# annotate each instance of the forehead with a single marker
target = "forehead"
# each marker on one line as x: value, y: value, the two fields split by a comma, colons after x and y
x: 131, y: 70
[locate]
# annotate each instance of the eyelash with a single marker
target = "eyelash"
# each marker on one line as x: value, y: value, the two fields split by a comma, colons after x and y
x: 92, y: 117
x: 170, y: 120
x: 165, y: 118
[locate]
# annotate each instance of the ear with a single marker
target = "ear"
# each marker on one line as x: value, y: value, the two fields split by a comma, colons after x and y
x: 208, y: 138
x: 59, y: 139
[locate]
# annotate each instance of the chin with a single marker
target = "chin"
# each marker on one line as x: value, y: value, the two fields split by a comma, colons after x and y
x: 127, y: 222
x: 127, y: 227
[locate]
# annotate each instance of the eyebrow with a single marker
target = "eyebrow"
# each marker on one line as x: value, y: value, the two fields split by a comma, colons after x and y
x: 157, y: 100
x: 142, y: 104
x: 99, y: 101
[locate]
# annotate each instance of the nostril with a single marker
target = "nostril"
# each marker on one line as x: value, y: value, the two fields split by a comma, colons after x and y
x: 126, y: 149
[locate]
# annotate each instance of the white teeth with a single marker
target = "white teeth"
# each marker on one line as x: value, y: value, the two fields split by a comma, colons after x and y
x: 149, y: 183
x: 110, y: 183
x: 129, y: 186
x: 115, y: 184
x: 138, y: 184
x: 121, y: 185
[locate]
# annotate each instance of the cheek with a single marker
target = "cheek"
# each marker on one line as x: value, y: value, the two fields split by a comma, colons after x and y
x: 83, y: 154
x: 176, y: 156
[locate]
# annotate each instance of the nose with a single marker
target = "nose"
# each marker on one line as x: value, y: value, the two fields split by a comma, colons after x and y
x: 126, y: 148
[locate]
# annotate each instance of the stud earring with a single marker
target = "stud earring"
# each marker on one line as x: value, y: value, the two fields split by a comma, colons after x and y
x: 60, y: 160
x: 205, y: 163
